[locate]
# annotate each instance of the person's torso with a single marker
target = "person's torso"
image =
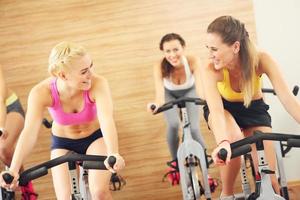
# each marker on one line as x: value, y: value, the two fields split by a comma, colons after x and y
x: 59, y: 116
x: 230, y: 94
x: 189, y: 78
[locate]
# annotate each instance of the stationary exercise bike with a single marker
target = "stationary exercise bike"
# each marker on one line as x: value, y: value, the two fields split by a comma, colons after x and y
x: 281, y: 150
x: 192, y: 157
x: 6, y: 194
x: 78, y: 191
x: 116, y: 181
x: 263, y: 186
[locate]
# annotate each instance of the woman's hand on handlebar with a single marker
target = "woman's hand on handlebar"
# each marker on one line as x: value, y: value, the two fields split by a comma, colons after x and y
x: 225, y: 144
x: 152, y: 107
x: 13, y: 183
x: 119, y: 163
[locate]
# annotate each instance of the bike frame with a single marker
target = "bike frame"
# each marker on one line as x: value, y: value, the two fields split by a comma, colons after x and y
x: 187, y: 150
x: 264, y: 188
x: 89, y: 162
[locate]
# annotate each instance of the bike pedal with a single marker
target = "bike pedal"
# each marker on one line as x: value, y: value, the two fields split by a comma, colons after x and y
x: 117, y: 182
x: 213, y: 184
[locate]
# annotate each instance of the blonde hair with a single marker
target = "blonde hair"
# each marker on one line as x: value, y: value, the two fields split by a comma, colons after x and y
x: 232, y: 30
x: 62, y: 56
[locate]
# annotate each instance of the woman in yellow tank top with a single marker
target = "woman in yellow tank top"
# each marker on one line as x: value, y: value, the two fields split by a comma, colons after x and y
x: 232, y: 87
x: 11, y: 123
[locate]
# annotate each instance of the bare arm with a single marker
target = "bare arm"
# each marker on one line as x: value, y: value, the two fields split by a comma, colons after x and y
x: 288, y: 100
x: 213, y: 98
x: 195, y: 68
x: 3, y: 93
x: 159, y: 86
x: 159, y: 89
x: 105, y: 115
x: 214, y: 102
x: 31, y: 128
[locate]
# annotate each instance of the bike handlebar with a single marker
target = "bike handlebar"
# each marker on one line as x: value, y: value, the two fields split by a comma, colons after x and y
x: 47, y: 123
x: 269, y: 90
x: 292, y: 140
x: 222, y: 154
x: 42, y: 169
x: 180, y: 101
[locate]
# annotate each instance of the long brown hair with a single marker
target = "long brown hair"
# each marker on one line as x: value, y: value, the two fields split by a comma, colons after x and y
x: 166, y: 67
x: 232, y: 30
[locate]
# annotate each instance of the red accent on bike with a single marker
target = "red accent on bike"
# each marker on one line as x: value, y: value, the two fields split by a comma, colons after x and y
x: 28, y: 192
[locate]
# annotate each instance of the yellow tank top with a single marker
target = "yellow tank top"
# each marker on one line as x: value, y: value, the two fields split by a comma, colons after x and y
x: 229, y: 94
x: 11, y: 99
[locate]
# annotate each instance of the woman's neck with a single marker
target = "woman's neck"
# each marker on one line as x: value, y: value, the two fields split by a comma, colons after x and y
x: 234, y: 67
x: 66, y: 90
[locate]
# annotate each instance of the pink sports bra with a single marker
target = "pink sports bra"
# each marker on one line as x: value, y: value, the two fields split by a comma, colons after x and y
x: 88, y: 113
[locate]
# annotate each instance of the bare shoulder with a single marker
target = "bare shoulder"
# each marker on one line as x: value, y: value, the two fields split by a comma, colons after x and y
x: 157, y: 69
x: 263, y: 55
x: 98, y: 81
x: 41, y: 92
x: 265, y: 61
x: 99, y: 85
x: 158, y: 64
x: 209, y: 67
x: 194, y: 62
x: 210, y: 72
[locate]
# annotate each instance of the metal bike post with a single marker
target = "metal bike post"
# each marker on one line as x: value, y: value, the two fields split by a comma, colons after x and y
x: 84, y: 183
x: 75, y: 192
x: 266, y: 189
x: 245, y: 182
x: 188, y: 148
x: 281, y: 172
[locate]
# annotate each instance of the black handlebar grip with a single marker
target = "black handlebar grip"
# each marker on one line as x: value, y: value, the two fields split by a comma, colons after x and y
x: 46, y: 123
x: 293, y: 142
x: 164, y: 108
x: 200, y: 102
x: 111, y: 161
x: 27, y: 176
x: 152, y: 107
x: 242, y: 150
x: 94, y: 165
x: 1, y: 133
x: 222, y: 154
x: 296, y: 90
x: 7, y: 178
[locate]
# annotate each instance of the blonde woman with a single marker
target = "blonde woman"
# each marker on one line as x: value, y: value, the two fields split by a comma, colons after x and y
x: 232, y: 87
x: 80, y: 104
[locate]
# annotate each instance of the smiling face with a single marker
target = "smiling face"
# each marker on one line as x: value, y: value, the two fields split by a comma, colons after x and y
x: 221, y: 54
x: 79, y: 75
x: 173, y: 52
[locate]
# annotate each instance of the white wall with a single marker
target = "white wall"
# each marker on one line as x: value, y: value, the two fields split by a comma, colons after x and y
x: 278, y: 32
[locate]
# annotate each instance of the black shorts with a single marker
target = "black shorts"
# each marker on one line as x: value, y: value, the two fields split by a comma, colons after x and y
x: 15, y: 107
x: 77, y: 145
x: 255, y: 115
